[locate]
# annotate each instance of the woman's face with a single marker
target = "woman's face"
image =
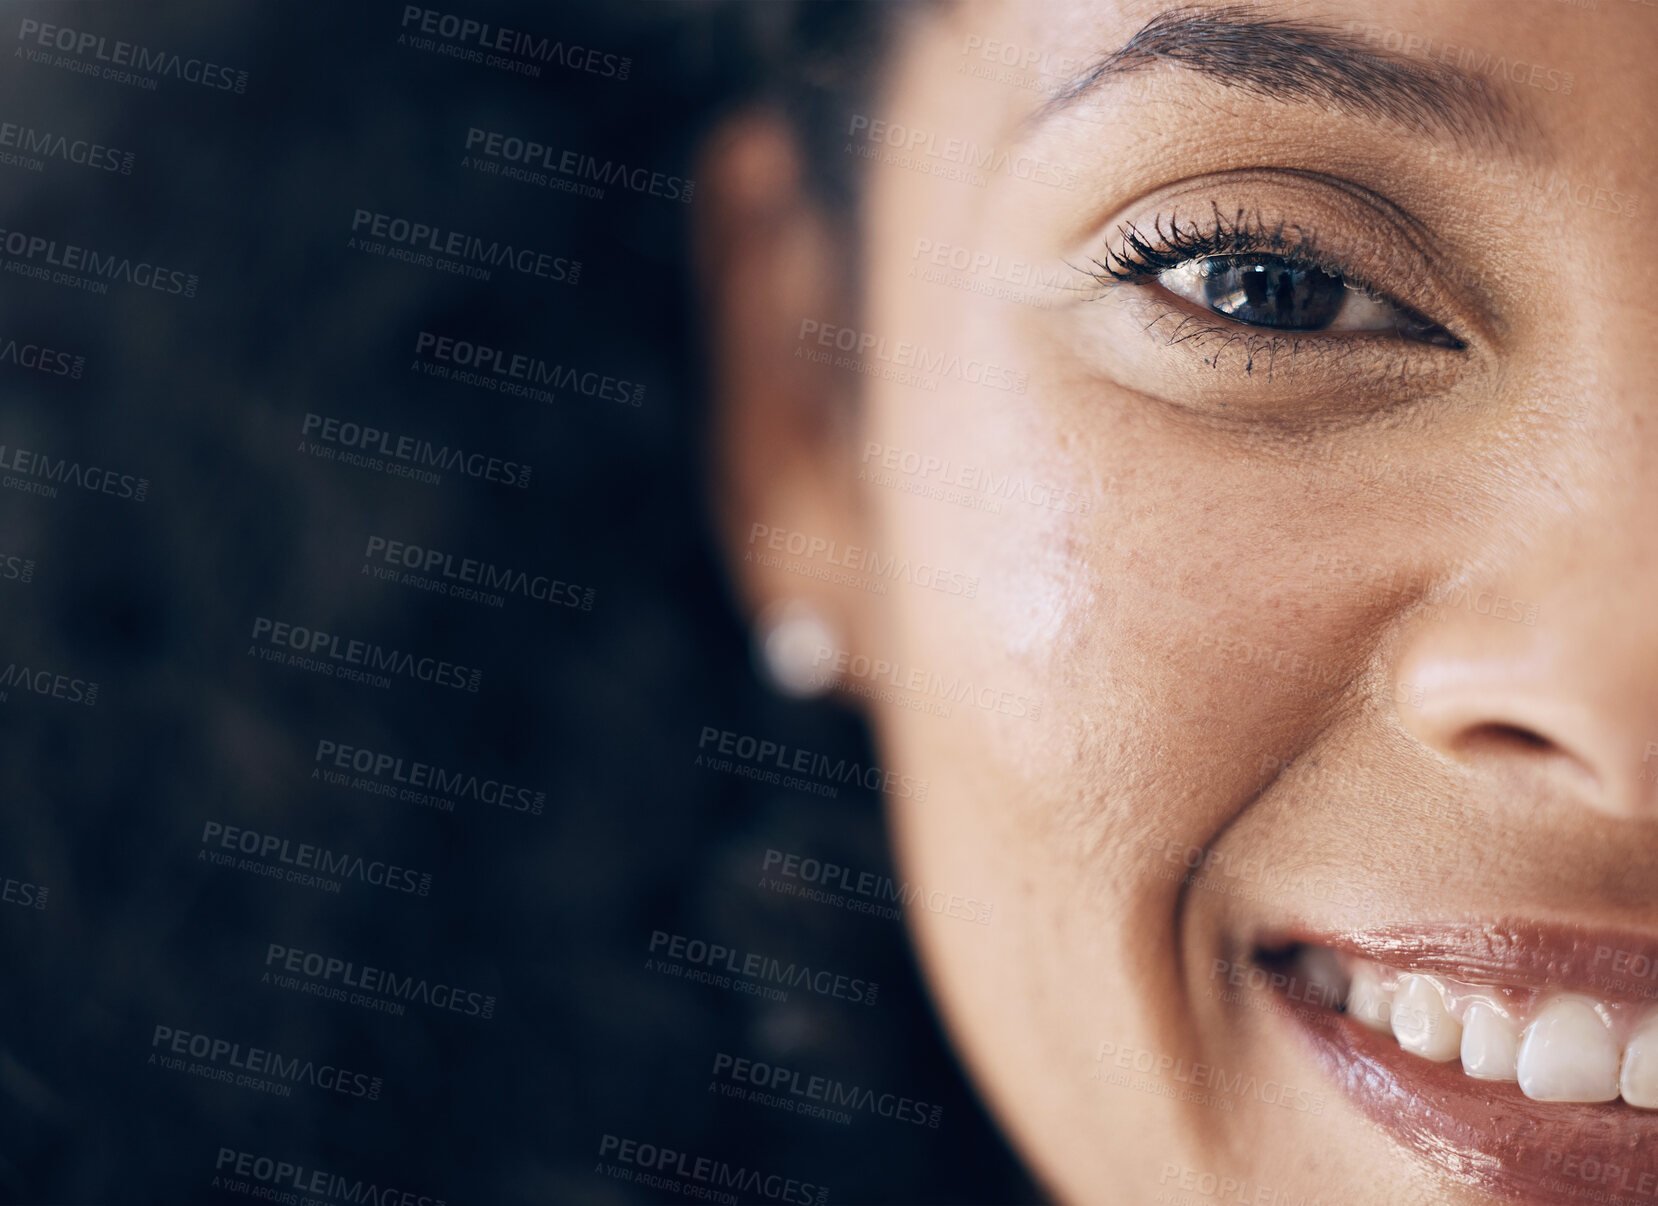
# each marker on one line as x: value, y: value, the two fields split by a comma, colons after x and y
x: 1267, y: 418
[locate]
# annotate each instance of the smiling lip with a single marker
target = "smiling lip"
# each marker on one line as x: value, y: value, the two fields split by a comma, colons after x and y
x: 1482, y: 1134
x: 1613, y: 964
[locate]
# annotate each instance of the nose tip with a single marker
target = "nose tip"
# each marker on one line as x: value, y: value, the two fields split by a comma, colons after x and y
x: 1532, y: 718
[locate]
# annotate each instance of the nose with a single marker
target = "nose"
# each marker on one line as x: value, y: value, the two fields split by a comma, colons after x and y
x: 1545, y: 680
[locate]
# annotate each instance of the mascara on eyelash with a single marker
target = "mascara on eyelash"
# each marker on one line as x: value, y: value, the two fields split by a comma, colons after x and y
x: 1145, y: 257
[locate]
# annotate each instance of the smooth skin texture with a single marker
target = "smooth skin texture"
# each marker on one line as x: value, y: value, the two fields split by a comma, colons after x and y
x: 1365, y: 620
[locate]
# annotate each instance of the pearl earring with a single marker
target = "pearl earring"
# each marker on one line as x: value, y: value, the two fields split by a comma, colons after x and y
x: 795, y: 646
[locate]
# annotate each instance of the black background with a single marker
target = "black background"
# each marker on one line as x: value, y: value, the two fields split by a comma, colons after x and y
x: 599, y: 709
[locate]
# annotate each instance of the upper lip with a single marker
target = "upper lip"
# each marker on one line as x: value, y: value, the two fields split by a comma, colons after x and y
x: 1608, y: 964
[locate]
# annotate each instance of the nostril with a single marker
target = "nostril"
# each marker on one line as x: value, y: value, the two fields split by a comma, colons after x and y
x: 1495, y: 737
x: 1499, y: 745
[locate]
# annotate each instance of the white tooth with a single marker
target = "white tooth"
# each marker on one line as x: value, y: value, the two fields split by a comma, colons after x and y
x: 1568, y: 1054
x: 1367, y: 1001
x: 1421, y: 1022
x: 1489, y: 1043
x: 1640, y: 1066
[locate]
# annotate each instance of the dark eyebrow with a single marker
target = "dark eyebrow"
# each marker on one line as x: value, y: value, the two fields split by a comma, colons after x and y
x: 1293, y: 61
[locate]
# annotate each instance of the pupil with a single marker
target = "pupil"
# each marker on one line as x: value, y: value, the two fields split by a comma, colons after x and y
x: 1270, y: 291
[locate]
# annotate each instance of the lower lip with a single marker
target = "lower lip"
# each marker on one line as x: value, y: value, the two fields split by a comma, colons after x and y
x: 1487, y: 1135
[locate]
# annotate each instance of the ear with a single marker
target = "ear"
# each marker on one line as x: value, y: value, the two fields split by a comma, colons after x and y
x: 784, y: 426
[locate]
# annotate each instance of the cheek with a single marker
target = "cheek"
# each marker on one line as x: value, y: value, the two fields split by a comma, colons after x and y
x: 968, y: 484
x: 1161, y: 601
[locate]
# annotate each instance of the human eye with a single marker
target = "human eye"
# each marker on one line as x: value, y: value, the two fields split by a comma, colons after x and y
x: 1275, y: 278
x: 1288, y: 293
x: 1311, y: 302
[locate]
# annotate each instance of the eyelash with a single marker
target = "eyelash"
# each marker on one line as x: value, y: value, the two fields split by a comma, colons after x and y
x: 1144, y: 258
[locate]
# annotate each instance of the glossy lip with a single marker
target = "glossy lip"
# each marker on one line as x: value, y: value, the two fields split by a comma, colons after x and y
x: 1485, y: 1135
x: 1488, y: 1135
x: 1613, y: 965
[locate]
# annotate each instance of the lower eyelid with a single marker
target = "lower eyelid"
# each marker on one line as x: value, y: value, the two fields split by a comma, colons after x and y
x: 1220, y: 344
x: 1207, y: 366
